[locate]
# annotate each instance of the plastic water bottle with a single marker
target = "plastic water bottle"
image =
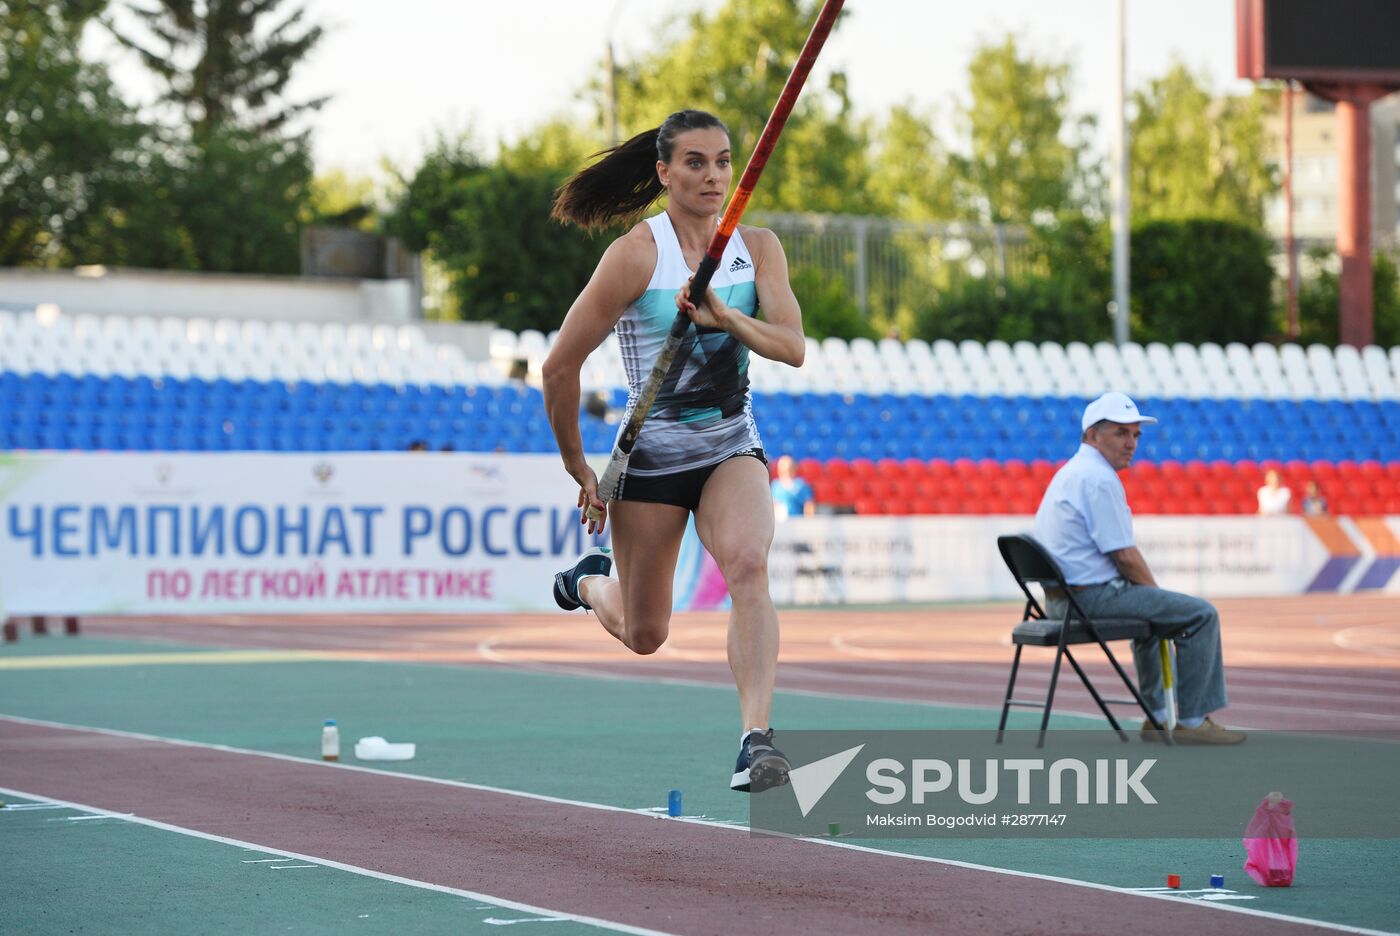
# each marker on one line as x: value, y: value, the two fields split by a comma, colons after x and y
x: 330, y: 741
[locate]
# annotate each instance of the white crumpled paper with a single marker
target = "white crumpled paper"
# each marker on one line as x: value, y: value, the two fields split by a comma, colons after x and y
x: 378, y: 749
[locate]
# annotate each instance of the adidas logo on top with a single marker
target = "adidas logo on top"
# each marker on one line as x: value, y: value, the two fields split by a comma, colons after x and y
x: 739, y: 264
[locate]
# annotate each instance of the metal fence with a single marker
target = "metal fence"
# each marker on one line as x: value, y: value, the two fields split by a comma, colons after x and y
x: 888, y: 267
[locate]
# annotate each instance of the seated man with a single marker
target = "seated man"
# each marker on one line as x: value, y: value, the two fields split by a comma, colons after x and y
x: 1084, y: 522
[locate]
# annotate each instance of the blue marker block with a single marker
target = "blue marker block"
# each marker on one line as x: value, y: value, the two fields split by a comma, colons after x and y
x: 1217, y: 880
x: 673, y: 803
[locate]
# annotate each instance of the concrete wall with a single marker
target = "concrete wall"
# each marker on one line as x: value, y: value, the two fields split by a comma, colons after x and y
x: 159, y: 293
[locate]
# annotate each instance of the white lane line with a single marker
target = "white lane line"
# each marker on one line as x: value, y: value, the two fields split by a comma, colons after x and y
x: 353, y: 869
x: 495, y: 922
x: 645, y: 813
x: 86, y: 818
x: 291, y: 867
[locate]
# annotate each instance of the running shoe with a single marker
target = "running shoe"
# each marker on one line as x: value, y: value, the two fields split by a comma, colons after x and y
x: 760, y: 766
x: 596, y: 561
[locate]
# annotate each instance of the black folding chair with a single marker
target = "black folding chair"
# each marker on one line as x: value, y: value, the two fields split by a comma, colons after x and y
x: 1029, y: 562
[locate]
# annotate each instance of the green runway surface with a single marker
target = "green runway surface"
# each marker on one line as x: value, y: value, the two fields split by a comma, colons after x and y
x: 136, y: 879
x: 562, y: 736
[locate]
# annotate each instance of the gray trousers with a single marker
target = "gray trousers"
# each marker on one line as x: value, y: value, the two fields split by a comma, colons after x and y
x: 1192, y: 623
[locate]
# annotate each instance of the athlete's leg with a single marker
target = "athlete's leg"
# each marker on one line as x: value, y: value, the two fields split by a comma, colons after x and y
x: 735, y: 522
x: 635, y: 607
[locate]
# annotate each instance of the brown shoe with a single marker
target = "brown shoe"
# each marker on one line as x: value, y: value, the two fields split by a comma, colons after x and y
x: 1208, y: 732
x: 1151, y: 735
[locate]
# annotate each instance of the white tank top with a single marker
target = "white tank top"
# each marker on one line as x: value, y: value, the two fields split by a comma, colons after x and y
x: 703, y: 413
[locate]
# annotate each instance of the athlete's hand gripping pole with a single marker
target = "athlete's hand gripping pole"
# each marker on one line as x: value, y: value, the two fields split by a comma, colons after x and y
x: 700, y: 283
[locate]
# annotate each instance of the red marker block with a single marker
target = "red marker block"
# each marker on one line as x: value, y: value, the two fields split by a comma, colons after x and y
x: 1174, y: 881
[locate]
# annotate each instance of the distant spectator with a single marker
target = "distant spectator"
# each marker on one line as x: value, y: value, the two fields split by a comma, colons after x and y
x: 791, y: 495
x: 417, y: 445
x: 1314, y: 504
x: 893, y: 334
x: 1273, y: 496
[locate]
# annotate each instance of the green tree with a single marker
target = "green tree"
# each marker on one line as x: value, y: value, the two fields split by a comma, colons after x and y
x: 489, y: 227
x: 911, y: 177
x: 221, y: 61
x: 1060, y: 295
x: 230, y: 183
x: 1195, y: 155
x: 1024, y: 153
x: 1319, y: 299
x: 1201, y: 280
x: 341, y: 200
x: 734, y: 61
x: 72, y: 151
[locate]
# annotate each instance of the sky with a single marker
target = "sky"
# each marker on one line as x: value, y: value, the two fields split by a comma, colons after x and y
x: 400, y: 73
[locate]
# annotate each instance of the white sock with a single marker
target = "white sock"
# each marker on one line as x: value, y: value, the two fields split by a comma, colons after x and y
x: 578, y: 583
x: 1161, y: 715
x: 1191, y: 722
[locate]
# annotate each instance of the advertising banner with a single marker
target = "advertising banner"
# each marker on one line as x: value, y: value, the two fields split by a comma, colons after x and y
x: 208, y: 533
x: 205, y: 533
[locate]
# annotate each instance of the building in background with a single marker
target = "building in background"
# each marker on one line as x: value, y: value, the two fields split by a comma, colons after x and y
x: 1315, y: 173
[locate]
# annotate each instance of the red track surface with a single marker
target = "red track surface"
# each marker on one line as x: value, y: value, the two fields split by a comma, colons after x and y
x: 694, y: 879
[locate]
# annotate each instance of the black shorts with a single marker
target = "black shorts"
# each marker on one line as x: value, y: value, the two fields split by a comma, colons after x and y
x: 681, y: 489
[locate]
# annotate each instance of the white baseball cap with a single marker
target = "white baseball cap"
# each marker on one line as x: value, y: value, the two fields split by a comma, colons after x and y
x: 1115, y: 407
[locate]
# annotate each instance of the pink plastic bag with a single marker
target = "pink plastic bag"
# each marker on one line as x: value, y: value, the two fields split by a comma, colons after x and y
x: 1271, y: 843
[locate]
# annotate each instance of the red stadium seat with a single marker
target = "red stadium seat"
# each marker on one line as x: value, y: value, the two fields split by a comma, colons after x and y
x: 1042, y: 470
x: 810, y: 470
x: 1392, y: 471
x: 915, y: 468
x: 1024, y: 506
x: 997, y: 504
x: 1324, y: 471
x: 939, y: 467
x: 862, y: 468
x: 838, y: 468
x: 1346, y: 507
x: 880, y: 488
x: 890, y: 467
x: 923, y: 505
x: 824, y: 490
x: 1197, y: 469
x: 1146, y: 470
x: 965, y: 467
x: 1015, y: 468
x: 848, y: 491
x: 1171, y: 469
x: 869, y: 505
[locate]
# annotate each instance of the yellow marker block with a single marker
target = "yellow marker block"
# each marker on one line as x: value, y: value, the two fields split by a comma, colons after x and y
x: 84, y: 660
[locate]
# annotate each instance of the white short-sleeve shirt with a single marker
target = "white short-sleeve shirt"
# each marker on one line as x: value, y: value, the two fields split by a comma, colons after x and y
x: 1083, y: 517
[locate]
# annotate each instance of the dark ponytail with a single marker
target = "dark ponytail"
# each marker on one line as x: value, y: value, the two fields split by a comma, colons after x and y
x: 624, y: 182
